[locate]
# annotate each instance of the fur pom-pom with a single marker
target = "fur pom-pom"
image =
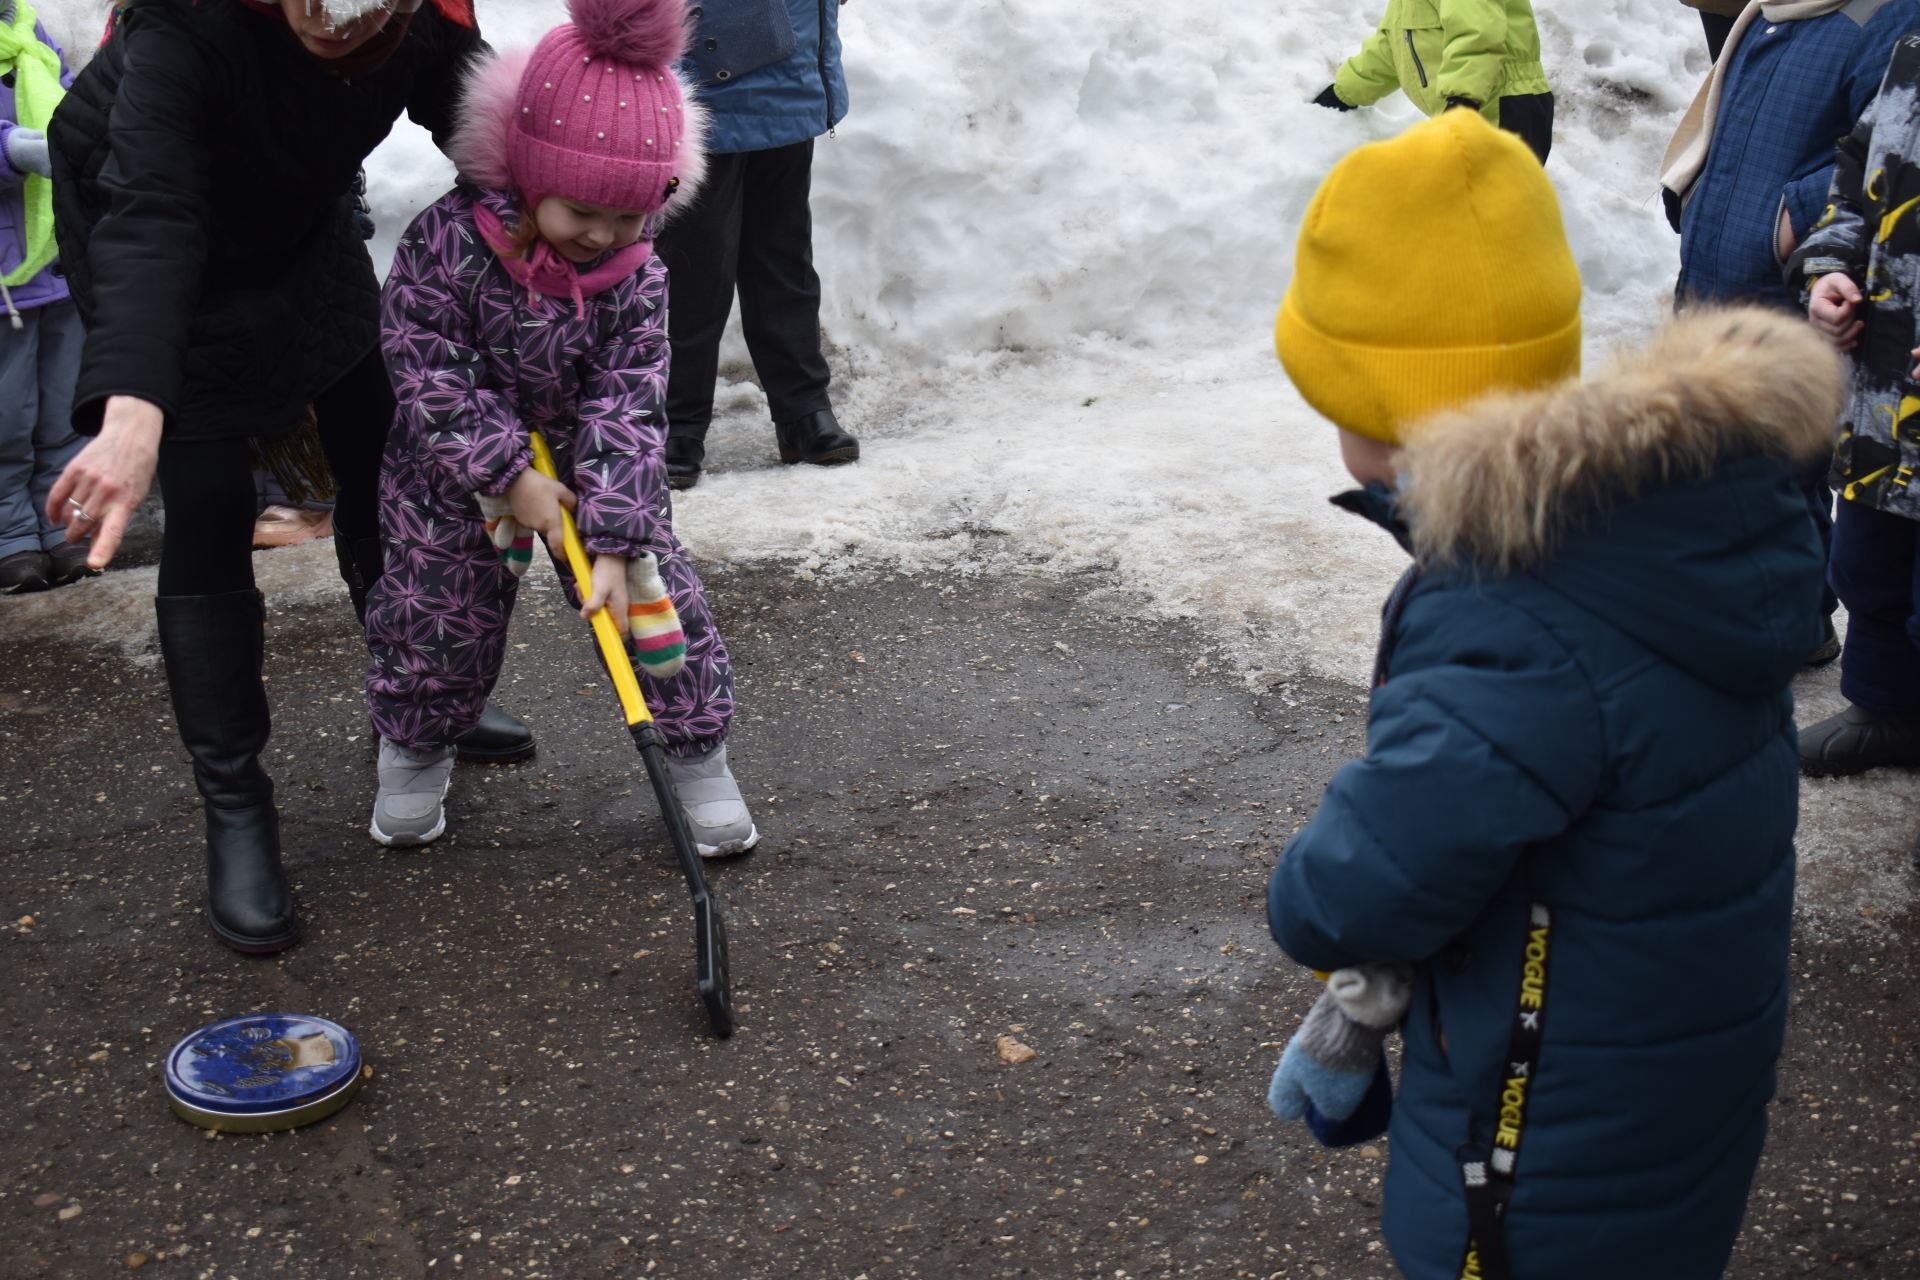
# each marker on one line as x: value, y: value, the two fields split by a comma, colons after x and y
x: 479, y: 143
x: 638, y: 32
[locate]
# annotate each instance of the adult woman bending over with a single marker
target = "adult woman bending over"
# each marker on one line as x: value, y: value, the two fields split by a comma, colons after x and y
x: 202, y: 167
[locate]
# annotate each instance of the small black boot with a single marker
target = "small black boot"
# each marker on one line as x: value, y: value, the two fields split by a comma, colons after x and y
x: 498, y: 738
x: 1857, y: 740
x: 816, y: 438
x: 214, y: 647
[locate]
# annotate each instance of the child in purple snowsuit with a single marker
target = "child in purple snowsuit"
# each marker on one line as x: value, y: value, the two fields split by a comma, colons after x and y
x: 530, y: 297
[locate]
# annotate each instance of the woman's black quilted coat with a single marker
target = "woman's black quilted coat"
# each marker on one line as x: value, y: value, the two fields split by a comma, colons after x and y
x: 202, y: 169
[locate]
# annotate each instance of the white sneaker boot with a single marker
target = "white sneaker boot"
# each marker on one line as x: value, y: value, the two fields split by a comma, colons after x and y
x: 710, y: 800
x: 411, y: 809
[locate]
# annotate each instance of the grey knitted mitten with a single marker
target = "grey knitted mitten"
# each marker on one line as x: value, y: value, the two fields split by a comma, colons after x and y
x: 27, y: 152
x: 1330, y: 1060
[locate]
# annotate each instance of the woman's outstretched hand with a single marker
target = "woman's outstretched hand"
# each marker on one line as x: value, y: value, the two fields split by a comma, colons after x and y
x: 97, y: 494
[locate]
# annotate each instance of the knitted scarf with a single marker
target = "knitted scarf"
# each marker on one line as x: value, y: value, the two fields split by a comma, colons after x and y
x: 36, y: 92
x: 1687, y: 153
x: 544, y: 271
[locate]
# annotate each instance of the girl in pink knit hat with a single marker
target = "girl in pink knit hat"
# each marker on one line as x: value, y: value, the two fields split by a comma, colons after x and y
x: 529, y: 296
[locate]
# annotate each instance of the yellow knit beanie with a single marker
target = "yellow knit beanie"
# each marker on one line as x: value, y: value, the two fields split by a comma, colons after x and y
x: 1431, y: 269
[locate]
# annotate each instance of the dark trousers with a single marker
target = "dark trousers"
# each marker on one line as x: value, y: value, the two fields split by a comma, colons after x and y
x: 1819, y: 496
x: 750, y: 228
x: 38, y: 365
x: 1530, y: 115
x: 1717, y: 29
x: 1875, y: 568
x: 207, y: 486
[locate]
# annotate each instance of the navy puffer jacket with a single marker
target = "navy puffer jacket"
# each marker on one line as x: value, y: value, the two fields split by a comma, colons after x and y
x: 768, y: 70
x: 1586, y: 705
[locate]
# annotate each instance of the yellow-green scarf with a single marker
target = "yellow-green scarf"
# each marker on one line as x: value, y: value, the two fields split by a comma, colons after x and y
x: 36, y: 92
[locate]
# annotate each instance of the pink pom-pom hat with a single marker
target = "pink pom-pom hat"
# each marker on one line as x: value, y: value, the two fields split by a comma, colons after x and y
x: 594, y: 113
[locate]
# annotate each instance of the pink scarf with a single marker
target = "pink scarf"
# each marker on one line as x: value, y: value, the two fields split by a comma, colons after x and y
x: 544, y: 271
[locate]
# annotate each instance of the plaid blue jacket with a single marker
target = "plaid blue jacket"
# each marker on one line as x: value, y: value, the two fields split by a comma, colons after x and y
x: 1793, y: 91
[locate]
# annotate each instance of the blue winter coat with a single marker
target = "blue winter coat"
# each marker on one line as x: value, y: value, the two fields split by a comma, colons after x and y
x: 1587, y: 705
x: 1792, y: 90
x: 769, y: 71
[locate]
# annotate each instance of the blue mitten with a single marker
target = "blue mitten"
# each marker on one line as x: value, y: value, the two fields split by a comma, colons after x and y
x: 1332, y: 1061
x: 1368, y: 1122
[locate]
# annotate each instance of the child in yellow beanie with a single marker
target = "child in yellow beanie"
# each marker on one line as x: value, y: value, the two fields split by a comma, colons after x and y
x: 1580, y: 782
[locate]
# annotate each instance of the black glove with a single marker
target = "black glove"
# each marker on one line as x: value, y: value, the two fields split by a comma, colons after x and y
x: 1328, y: 98
x: 1468, y: 103
x: 1673, y: 205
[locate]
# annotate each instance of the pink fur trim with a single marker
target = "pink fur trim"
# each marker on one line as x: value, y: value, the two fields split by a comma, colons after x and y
x: 693, y: 149
x: 479, y: 144
x: 635, y: 32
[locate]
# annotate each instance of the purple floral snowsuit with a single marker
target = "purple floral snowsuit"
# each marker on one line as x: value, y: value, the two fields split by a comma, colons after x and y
x: 473, y: 357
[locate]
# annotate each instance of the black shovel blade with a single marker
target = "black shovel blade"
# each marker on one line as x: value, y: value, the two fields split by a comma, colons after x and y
x: 711, y: 976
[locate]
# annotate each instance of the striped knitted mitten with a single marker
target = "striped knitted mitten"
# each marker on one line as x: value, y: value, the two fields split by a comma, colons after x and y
x: 658, y: 645
x: 512, y: 540
x: 1330, y: 1061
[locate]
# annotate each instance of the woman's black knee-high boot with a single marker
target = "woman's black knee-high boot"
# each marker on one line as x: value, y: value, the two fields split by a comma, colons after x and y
x: 213, y: 647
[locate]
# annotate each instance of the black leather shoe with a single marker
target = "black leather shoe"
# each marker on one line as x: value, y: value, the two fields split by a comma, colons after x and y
x: 68, y: 563
x: 816, y: 438
x: 497, y: 739
x: 25, y: 571
x: 684, y: 456
x: 212, y: 647
x: 1857, y: 740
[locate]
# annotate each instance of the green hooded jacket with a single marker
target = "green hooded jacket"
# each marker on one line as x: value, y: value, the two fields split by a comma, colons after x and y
x: 1439, y: 49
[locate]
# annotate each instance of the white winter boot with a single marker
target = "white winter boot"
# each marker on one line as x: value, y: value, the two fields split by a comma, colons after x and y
x: 711, y: 802
x: 411, y: 806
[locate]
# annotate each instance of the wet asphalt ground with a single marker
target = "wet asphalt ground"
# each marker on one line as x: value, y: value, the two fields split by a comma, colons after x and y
x: 991, y: 808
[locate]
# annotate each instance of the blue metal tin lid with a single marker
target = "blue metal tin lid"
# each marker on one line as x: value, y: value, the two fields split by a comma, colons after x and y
x: 262, y: 1062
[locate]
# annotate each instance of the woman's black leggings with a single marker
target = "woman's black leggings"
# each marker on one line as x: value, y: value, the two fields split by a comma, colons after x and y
x: 206, y: 547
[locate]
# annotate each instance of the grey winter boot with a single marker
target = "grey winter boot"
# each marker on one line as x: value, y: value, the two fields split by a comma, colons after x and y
x: 411, y: 806
x: 716, y: 813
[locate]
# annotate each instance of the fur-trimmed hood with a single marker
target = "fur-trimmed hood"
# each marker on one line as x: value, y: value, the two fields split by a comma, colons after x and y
x: 1661, y: 496
x: 1500, y: 481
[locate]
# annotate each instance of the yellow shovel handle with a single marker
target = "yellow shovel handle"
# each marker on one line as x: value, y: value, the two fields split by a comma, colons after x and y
x: 613, y: 647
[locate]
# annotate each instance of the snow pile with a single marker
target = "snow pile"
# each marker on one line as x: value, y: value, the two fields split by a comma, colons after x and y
x: 1016, y: 175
